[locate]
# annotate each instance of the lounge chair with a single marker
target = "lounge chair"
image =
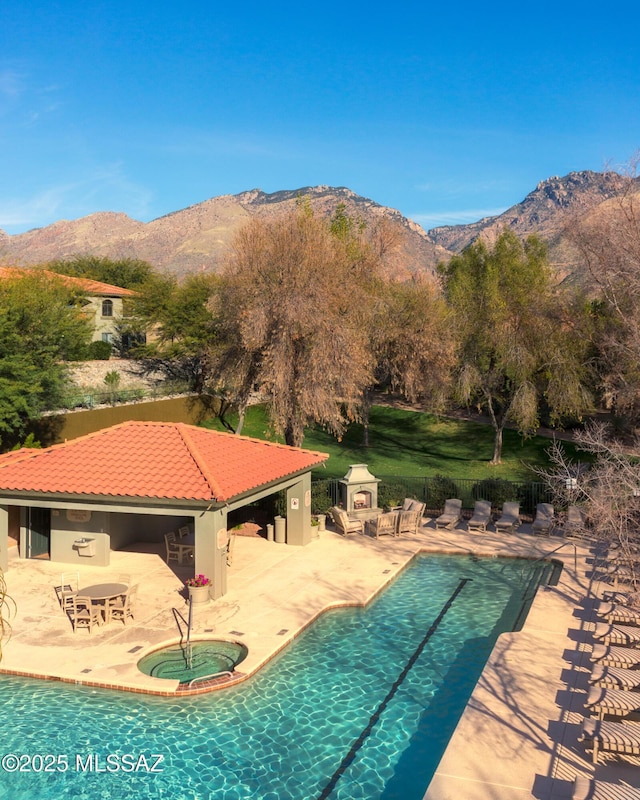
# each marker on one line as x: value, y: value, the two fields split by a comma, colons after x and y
x: 614, y: 612
x: 610, y: 737
x: 588, y: 789
x: 612, y: 702
x: 384, y: 524
x: 575, y: 523
x: 544, y: 521
x: 451, y: 515
x: 481, y: 516
x: 344, y: 524
x: 623, y: 635
x: 510, y: 519
x: 611, y: 656
x: 408, y: 522
x: 84, y: 613
x: 627, y: 680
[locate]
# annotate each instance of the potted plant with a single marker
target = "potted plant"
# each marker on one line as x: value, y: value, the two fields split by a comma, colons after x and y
x: 198, y: 587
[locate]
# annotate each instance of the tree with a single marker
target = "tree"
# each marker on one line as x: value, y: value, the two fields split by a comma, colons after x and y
x: 178, y: 325
x: 608, y: 243
x: 41, y: 327
x: 522, y: 342
x: 128, y: 273
x: 288, y: 321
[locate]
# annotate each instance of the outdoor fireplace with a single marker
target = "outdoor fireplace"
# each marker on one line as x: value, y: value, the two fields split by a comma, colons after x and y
x: 359, y: 491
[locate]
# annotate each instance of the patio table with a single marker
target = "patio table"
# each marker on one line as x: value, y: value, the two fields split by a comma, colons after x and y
x: 614, y: 702
x: 101, y: 593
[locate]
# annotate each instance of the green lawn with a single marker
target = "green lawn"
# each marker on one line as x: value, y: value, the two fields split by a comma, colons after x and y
x: 411, y: 443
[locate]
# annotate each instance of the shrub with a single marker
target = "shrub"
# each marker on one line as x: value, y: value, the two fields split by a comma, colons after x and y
x: 99, y: 351
x: 496, y: 490
x: 320, y: 498
x: 440, y: 489
x: 390, y: 494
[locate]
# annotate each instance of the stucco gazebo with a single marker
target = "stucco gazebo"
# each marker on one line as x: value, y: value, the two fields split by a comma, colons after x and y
x: 135, y: 481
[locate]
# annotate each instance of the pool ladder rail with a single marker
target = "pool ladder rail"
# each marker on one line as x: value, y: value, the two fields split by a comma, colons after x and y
x: 210, y: 677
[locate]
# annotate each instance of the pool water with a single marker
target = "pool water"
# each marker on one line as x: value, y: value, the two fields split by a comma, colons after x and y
x: 362, y: 705
x: 188, y: 662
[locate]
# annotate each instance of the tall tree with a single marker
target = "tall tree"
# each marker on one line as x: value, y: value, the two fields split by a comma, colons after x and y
x: 288, y: 321
x: 128, y: 273
x: 520, y: 346
x: 41, y: 327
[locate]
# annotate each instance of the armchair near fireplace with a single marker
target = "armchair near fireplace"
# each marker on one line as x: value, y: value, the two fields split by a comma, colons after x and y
x: 344, y: 524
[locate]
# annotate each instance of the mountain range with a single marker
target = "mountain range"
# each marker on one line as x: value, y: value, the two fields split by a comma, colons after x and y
x: 199, y: 237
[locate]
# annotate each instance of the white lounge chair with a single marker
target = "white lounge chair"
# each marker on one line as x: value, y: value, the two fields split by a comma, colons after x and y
x: 628, y: 680
x: 614, y: 612
x: 481, y: 516
x: 451, y: 515
x: 588, y: 789
x: 575, y: 524
x: 510, y: 519
x: 612, y: 702
x: 610, y: 737
x: 611, y: 656
x: 623, y: 635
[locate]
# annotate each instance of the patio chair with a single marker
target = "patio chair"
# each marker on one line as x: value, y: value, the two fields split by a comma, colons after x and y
x: 183, y: 531
x: 612, y: 656
x: 84, y: 613
x: 610, y: 737
x: 384, y: 524
x: 612, y: 703
x: 123, y: 607
x: 589, y: 789
x: 344, y: 524
x: 67, y: 589
x: 481, y: 516
x: 173, y: 551
x: 622, y: 635
x: 408, y: 522
x: 545, y: 520
x: 614, y: 612
x: 451, y: 515
x: 575, y: 524
x: 410, y: 504
x: 627, y: 680
x: 510, y: 518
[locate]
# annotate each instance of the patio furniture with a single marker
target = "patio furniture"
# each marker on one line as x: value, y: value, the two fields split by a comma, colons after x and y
x: 510, y: 519
x: 122, y: 607
x: 173, y: 551
x: 614, y: 612
x: 624, y: 635
x: 628, y: 680
x: 84, y: 614
x: 385, y: 524
x: 344, y: 523
x: 408, y: 522
x: 67, y: 589
x: 101, y: 594
x: 610, y: 737
x: 481, y: 516
x: 183, y: 531
x: 575, y: 523
x: 589, y: 789
x: 410, y: 504
x: 451, y: 515
x: 611, y: 656
x: 612, y: 702
x: 545, y: 520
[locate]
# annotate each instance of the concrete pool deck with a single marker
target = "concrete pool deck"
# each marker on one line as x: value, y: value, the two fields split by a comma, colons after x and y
x: 518, y: 735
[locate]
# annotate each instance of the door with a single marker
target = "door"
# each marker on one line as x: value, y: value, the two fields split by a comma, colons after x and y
x: 39, y: 533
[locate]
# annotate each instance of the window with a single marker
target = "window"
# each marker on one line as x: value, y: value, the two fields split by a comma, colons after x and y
x: 107, y: 308
x: 107, y: 337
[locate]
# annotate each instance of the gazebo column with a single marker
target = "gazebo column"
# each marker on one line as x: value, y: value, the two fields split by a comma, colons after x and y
x: 4, y: 537
x: 211, y: 538
x: 299, y: 511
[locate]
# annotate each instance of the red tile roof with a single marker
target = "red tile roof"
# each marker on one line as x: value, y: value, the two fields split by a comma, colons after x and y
x: 86, y: 285
x: 154, y: 460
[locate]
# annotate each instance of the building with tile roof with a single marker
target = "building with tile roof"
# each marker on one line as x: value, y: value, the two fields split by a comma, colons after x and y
x: 104, y: 304
x: 139, y: 480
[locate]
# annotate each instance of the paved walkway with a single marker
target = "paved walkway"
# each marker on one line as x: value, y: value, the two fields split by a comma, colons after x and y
x: 517, y: 738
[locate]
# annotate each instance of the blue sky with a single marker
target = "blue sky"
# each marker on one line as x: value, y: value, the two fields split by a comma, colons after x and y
x: 444, y: 112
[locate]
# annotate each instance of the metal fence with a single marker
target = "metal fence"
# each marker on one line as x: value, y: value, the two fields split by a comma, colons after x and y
x: 91, y: 398
x: 435, y: 490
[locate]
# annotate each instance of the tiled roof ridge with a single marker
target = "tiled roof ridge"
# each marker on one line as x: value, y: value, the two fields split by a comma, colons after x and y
x: 89, y: 284
x: 265, y: 442
x: 183, y: 430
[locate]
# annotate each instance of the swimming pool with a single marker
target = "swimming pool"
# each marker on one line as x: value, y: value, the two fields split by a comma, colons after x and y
x: 362, y: 705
